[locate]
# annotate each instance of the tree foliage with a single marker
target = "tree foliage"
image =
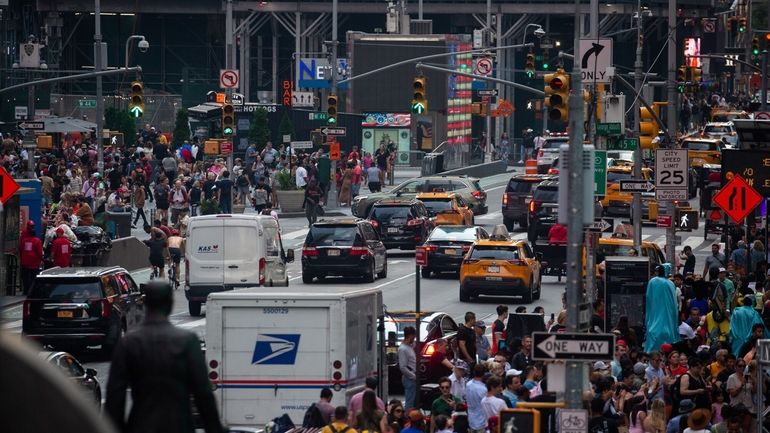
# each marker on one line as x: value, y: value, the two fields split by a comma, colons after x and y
x: 121, y: 121
x: 259, y: 132
x: 285, y: 127
x: 181, y: 128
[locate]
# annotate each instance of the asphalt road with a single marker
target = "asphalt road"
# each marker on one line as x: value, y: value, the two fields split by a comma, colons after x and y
x: 437, y: 294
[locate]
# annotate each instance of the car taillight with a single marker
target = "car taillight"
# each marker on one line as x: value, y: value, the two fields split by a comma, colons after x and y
x: 359, y: 252
x: 553, y: 171
x: 533, y: 205
x: 430, y: 248
x: 413, y: 222
x: 466, y: 248
x: 429, y: 349
x: 26, y: 310
x: 309, y: 252
x: 375, y: 224
x: 516, y: 262
x: 262, y: 264
x: 105, y: 308
x: 479, y: 194
x: 505, y: 199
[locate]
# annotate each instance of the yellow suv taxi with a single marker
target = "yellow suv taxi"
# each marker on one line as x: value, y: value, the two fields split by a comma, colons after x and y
x: 447, y: 208
x: 616, y: 202
x: 623, y: 247
x: 702, y: 151
x: 500, y: 266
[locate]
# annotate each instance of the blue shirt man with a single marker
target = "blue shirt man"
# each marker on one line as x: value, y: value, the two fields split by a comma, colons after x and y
x: 475, y: 391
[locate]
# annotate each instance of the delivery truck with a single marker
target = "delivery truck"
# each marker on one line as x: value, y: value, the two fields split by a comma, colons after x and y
x: 270, y: 352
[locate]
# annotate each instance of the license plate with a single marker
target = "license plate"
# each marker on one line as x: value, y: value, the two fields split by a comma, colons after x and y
x: 493, y: 269
x: 450, y: 252
x: 333, y: 252
x: 64, y: 314
x: 494, y: 278
x: 392, y: 229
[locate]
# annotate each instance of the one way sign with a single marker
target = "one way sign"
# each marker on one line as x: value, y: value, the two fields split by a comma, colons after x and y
x: 595, y: 58
x: 572, y: 346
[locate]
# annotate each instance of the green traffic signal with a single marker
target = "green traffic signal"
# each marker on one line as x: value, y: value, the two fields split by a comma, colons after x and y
x: 227, y: 131
x: 545, y: 65
x: 331, y: 120
x: 530, y: 73
x: 755, y: 51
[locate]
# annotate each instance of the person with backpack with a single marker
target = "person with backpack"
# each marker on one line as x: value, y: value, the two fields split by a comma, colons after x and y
x: 338, y: 424
x: 162, y: 204
x: 242, y: 184
x: 319, y: 414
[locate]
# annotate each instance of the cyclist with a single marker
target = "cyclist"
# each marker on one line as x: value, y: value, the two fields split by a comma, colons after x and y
x: 158, y: 250
x: 175, y: 248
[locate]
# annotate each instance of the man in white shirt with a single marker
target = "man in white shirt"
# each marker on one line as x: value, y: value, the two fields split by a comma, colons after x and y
x: 458, y: 378
x: 492, y: 404
x: 300, y: 176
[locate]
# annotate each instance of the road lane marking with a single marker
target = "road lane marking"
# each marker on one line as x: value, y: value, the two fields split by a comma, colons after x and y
x: 193, y: 324
x: 393, y: 281
x: 12, y: 325
x: 297, y: 234
x: 491, y: 216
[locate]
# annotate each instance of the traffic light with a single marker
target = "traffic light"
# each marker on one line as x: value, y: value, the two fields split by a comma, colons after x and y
x: 742, y: 24
x: 529, y: 68
x: 755, y: 46
x: 136, y: 106
x: 331, y: 110
x: 730, y: 24
x: 695, y: 75
x: 681, y: 74
x: 228, y: 119
x: 420, y: 99
x: 647, y: 128
x: 557, y: 95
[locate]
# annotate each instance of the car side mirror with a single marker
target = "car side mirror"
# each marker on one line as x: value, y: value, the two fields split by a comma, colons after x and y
x: 142, y: 288
x: 90, y: 372
x: 289, y: 256
x: 539, y: 256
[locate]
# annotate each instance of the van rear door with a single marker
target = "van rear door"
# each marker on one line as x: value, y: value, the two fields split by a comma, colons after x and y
x: 275, y: 267
x: 205, y: 252
x: 242, y: 253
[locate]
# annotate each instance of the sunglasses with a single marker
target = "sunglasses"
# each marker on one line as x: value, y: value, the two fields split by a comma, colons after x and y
x: 443, y: 387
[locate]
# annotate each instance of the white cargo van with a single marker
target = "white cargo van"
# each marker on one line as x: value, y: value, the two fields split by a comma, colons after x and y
x: 272, y: 353
x: 224, y: 252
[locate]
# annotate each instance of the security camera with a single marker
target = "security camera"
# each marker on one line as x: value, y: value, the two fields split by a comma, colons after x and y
x: 539, y: 32
x: 144, y: 46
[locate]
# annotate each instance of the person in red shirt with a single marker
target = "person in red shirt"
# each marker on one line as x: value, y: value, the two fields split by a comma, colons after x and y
x: 31, y: 256
x: 557, y: 234
x: 61, y: 250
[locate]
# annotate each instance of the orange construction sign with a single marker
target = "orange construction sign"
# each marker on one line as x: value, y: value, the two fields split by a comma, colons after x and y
x: 334, y: 151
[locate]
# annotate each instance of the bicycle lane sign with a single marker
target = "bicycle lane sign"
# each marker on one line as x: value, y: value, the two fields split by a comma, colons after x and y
x: 573, y: 421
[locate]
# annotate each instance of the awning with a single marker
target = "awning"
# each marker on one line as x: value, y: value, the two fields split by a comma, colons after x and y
x: 67, y: 124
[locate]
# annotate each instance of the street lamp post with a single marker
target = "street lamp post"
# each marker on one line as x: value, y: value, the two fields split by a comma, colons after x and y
x: 143, y: 45
x: 539, y: 33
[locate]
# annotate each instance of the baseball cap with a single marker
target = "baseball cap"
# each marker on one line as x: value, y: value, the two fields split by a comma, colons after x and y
x: 600, y: 365
x: 480, y: 324
x: 722, y: 270
x: 621, y: 343
x: 666, y: 347
x: 513, y: 372
x: 462, y: 365
x: 415, y: 415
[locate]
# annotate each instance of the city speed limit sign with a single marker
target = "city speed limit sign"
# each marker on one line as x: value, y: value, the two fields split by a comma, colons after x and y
x: 671, y: 177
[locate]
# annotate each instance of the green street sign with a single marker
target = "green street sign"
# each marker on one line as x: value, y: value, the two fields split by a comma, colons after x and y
x: 317, y: 116
x: 600, y: 173
x: 608, y: 129
x: 136, y: 111
x: 623, y: 144
x: 87, y: 103
x: 418, y: 107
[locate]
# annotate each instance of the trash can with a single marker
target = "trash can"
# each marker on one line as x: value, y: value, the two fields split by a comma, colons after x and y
x: 118, y: 224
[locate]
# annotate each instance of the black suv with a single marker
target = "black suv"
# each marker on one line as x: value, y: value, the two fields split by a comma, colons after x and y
x: 79, y: 307
x: 401, y: 224
x: 343, y: 247
x: 543, y: 209
x: 516, y: 196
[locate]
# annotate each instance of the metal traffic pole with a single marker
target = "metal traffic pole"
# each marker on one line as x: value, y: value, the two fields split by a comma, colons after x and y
x: 636, y: 208
x: 672, y: 124
x: 99, y: 97
x: 332, y: 196
x: 764, y: 81
x: 574, y: 372
x: 420, y: 259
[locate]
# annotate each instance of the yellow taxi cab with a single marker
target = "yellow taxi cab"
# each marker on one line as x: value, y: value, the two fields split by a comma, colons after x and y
x: 702, y: 151
x: 500, y: 266
x: 618, y: 246
x: 446, y: 208
x: 616, y: 202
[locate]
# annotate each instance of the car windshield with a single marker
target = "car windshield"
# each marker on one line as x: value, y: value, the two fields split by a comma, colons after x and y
x: 616, y: 176
x: 388, y: 213
x: 410, y: 187
x: 603, y: 251
x: 547, y: 195
x: 718, y: 130
x: 520, y: 186
x: 67, y: 290
x: 490, y: 252
x: 699, y: 145
x: 436, y: 205
x: 398, y: 324
x: 445, y: 233
x: 332, y: 235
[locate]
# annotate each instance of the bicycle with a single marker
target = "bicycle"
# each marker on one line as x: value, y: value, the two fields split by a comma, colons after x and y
x: 171, y: 275
x: 155, y: 273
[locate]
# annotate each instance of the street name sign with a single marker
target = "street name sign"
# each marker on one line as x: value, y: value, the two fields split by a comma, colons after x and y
x: 634, y: 185
x: 302, y: 144
x: 608, y: 129
x: 595, y: 56
x: 623, y: 144
x: 334, y: 131
x: 32, y: 125
x: 602, y: 225
x: 8, y: 186
x: 87, y: 103
x: 572, y: 346
x: 671, y: 174
x: 737, y: 199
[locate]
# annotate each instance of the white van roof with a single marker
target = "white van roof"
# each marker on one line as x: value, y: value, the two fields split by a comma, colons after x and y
x: 242, y: 217
x: 292, y: 292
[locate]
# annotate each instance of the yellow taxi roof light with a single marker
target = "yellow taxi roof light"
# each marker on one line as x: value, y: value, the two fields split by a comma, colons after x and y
x: 500, y: 232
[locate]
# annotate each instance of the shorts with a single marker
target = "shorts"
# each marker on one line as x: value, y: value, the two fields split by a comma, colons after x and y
x: 158, y: 262
x: 176, y: 254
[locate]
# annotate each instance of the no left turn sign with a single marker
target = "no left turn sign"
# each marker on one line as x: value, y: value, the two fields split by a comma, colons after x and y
x: 483, y: 66
x: 228, y: 79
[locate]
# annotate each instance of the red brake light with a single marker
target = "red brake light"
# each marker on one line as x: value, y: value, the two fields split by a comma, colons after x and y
x: 533, y: 205
x: 309, y: 252
x: 429, y: 349
x: 262, y: 264
x: 516, y: 262
x: 430, y: 248
x: 105, y: 308
x: 414, y: 222
x: 359, y: 252
x: 479, y: 194
x: 505, y: 199
x: 26, y: 309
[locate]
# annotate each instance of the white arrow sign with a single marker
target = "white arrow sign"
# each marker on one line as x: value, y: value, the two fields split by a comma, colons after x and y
x: 572, y: 345
x: 600, y: 225
x: 553, y: 347
x: 636, y: 186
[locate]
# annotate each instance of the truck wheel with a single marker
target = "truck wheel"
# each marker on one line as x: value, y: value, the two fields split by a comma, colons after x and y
x: 307, y: 278
x: 464, y: 295
x: 384, y: 273
x: 508, y: 224
x: 527, y: 297
x: 425, y: 272
x: 194, y: 307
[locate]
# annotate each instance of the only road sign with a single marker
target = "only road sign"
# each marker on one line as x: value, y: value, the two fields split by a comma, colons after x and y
x: 636, y: 186
x: 334, y: 131
x: 595, y: 57
x: 572, y: 346
x: 8, y: 186
x: 737, y: 199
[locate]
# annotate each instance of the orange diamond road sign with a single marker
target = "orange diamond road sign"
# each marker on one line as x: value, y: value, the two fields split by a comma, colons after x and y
x: 8, y: 186
x: 737, y: 198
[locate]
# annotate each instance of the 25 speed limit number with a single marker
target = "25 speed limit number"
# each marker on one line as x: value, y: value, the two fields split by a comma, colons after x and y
x: 671, y: 179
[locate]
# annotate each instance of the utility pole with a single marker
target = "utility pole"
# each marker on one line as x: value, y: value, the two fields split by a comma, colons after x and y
x: 574, y: 373
x: 672, y: 121
x: 636, y: 208
x: 488, y: 119
x: 331, y: 199
x: 98, y: 65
